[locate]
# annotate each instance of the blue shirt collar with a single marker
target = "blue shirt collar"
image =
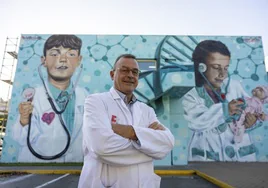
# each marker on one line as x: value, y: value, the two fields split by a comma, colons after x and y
x: 56, y: 93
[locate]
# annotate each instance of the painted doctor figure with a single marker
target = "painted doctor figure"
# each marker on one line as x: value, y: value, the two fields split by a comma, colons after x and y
x: 121, y: 135
x: 210, y: 105
x: 47, y: 136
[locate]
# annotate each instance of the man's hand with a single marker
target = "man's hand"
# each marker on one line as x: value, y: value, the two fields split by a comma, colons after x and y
x: 156, y: 126
x: 125, y: 131
x: 250, y: 120
x: 25, y: 109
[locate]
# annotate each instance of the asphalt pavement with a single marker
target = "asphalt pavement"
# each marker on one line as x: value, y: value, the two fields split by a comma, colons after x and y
x: 197, y: 174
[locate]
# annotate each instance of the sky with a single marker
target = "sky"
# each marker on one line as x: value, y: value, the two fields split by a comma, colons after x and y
x: 148, y: 17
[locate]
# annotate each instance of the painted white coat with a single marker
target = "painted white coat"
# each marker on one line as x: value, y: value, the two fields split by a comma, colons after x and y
x: 204, y: 122
x: 111, y: 160
x: 50, y: 139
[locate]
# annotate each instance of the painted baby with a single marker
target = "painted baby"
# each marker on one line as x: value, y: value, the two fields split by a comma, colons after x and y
x: 254, y: 105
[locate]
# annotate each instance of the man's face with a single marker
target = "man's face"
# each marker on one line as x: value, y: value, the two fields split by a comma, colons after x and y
x: 217, y: 69
x: 125, y: 75
x: 61, y: 63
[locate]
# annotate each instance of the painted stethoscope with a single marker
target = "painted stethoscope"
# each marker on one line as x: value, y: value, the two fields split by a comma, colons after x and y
x: 202, y: 68
x: 29, y: 93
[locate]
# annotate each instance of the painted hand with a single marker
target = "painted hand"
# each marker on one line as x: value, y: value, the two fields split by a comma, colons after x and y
x: 25, y: 109
x: 250, y: 120
x: 234, y: 107
x: 262, y: 116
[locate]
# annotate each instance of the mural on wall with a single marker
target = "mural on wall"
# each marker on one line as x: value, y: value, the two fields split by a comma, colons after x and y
x: 55, y: 107
x: 218, y: 109
x: 193, y: 83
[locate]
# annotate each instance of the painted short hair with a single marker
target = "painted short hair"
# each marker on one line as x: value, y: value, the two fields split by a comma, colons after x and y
x: 66, y: 41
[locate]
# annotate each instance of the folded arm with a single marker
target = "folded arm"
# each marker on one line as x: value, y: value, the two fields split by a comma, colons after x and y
x: 155, y: 140
x: 101, y: 139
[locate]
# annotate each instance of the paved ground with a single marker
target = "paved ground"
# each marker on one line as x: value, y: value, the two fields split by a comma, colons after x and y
x: 235, y: 174
x: 244, y: 175
x: 240, y: 175
x: 71, y: 181
x: 38, y: 181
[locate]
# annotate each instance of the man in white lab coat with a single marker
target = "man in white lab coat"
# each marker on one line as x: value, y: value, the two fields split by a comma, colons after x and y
x: 122, y: 136
x: 47, y: 136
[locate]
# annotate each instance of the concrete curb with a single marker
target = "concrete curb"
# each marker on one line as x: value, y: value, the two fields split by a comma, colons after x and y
x: 175, y: 172
x: 158, y: 172
x: 213, y: 180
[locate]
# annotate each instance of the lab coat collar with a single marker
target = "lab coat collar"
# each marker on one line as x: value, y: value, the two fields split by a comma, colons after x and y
x: 124, y: 97
x: 136, y: 108
x: 114, y: 94
x: 118, y: 94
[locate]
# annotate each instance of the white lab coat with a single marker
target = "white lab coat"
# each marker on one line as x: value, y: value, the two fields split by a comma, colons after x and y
x: 50, y: 139
x: 204, y: 121
x: 111, y: 160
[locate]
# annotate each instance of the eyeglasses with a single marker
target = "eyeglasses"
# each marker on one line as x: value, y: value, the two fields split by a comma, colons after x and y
x: 125, y: 71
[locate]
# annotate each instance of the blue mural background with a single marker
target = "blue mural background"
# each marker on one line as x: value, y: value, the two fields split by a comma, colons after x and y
x: 161, y: 88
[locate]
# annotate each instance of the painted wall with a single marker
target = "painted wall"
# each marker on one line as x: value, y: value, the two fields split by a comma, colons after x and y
x: 164, y: 87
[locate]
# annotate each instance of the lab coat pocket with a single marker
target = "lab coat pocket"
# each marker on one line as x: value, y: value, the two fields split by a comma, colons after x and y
x: 152, y: 181
x: 97, y: 183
